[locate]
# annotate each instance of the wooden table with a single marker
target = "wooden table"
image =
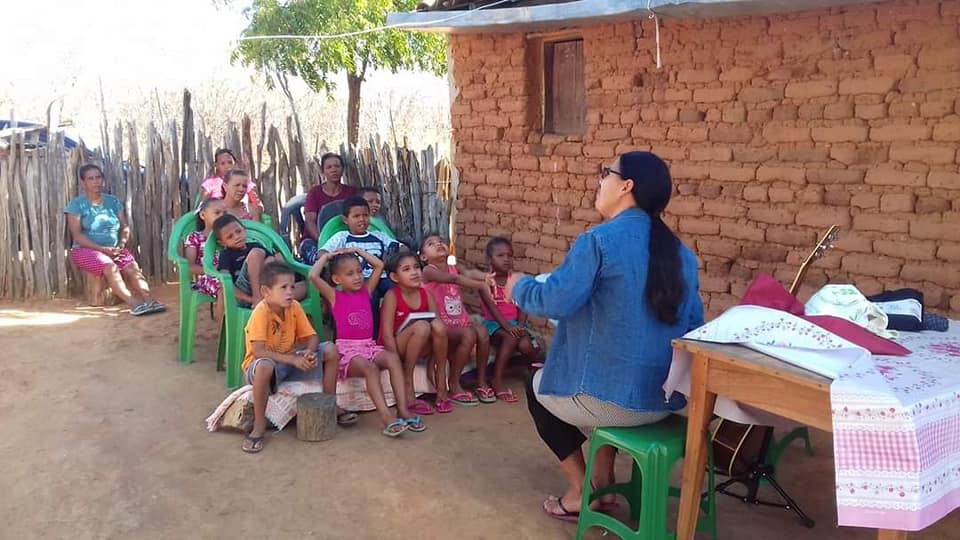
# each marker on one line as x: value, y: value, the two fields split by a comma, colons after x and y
x: 755, y: 379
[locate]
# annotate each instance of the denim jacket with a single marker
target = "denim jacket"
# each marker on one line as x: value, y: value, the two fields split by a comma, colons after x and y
x: 608, y: 344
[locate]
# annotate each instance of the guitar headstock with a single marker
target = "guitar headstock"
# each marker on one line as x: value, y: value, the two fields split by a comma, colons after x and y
x: 826, y: 242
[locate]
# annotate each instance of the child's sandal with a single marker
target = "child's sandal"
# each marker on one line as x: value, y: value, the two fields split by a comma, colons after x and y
x: 507, y: 396
x: 415, y: 424
x: 486, y: 395
x: 465, y: 399
x: 395, y: 428
x: 444, y: 406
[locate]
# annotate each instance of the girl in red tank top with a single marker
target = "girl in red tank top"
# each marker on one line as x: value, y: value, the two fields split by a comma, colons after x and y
x: 418, y: 338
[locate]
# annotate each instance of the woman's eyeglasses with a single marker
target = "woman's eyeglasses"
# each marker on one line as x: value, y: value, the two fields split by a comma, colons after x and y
x: 607, y: 171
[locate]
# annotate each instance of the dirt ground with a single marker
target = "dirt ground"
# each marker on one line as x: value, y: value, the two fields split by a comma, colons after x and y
x: 102, y: 436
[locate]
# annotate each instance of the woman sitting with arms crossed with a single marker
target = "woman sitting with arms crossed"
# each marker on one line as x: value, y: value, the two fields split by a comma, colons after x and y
x: 626, y: 289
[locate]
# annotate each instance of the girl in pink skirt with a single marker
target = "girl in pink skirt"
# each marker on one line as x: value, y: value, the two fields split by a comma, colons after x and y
x: 360, y: 356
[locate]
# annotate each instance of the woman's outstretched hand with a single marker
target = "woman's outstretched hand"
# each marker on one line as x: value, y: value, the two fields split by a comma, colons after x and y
x: 511, y: 281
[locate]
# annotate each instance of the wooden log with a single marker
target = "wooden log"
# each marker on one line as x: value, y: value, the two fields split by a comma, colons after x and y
x: 316, y: 417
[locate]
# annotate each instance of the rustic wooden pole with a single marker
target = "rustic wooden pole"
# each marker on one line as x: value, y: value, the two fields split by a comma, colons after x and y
x: 316, y: 417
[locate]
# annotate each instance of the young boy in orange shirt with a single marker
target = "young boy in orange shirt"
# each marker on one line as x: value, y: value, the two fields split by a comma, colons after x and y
x: 282, y: 346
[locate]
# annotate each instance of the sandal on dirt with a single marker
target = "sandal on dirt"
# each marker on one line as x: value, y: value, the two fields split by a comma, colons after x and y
x: 155, y: 307
x: 395, y: 428
x: 444, y: 406
x: 140, y: 309
x: 420, y: 407
x: 252, y: 445
x: 347, y: 418
x: 508, y: 396
x: 465, y: 399
x: 486, y: 395
x: 554, y: 508
x: 415, y: 424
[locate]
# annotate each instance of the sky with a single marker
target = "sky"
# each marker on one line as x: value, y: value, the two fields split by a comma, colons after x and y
x: 139, y: 49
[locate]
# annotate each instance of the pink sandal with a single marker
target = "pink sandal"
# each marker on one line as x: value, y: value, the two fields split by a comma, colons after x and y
x: 444, y: 406
x: 507, y: 396
x: 420, y: 407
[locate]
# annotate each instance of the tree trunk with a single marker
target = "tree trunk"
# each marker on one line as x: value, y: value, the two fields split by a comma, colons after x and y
x: 353, y: 107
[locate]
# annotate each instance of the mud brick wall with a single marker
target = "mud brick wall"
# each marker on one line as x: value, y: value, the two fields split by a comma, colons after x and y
x: 775, y: 127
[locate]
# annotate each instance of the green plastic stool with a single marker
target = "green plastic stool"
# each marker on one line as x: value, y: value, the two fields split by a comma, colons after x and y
x: 655, y: 448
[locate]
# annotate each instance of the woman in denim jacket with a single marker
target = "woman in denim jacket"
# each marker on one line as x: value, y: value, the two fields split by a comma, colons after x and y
x: 626, y: 289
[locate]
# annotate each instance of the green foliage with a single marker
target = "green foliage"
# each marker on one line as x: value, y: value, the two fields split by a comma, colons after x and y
x: 317, y: 62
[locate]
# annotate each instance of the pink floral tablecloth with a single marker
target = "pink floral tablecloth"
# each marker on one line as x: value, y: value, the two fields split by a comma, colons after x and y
x: 896, y: 420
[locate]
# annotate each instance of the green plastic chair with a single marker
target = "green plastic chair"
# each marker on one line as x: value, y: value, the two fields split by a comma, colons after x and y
x: 336, y: 224
x: 190, y: 299
x: 655, y: 448
x: 235, y: 318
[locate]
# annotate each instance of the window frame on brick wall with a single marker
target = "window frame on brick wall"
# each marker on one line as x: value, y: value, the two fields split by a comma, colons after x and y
x: 542, y: 92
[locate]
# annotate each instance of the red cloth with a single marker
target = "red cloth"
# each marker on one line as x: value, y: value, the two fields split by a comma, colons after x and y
x: 765, y: 291
x: 317, y: 198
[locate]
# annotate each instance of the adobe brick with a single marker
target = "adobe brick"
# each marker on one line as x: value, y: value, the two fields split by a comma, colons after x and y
x: 871, y: 265
x: 759, y: 116
x: 949, y: 252
x: 838, y: 111
x: 687, y: 134
x: 903, y: 109
x: 713, y: 95
x: 868, y: 111
x: 778, y: 194
x: 777, y: 216
x: 572, y: 229
x: 685, y: 170
x: 824, y: 217
x: 737, y: 74
x: 711, y: 153
x: 804, y: 154
x: 752, y: 154
x: 811, y: 195
x: 840, y: 134
x: 867, y: 85
x: 676, y: 94
x: 731, y: 134
x: 686, y: 188
x: 585, y: 214
x: 946, y: 275
x: 810, y: 111
x: 714, y: 284
x: 786, y: 111
x: 569, y: 149
x: 897, y: 63
x: 767, y: 173
x: 732, y: 173
x: 900, y: 132
x: 943, y: 180
x: 931, y: 205
x: 854, y: 242
x: 936, y: 109
x: 734, y: 115
x: 691, y: 115
x: 741, y: 232
x: 553, y: 242
x: 765, y: 253
x: 731, y: 190
x: 835, y: 197
x: 930, y: 81
x: 880, y: 222
x: 917, y: 32
x: 755, y: 193
x: 525, y: 163
x: 718, y: 247
x: 929, y: 154
x: 598, y: 151
x: 811, y: 89
x: 776, y: 133
x: 897, y: 202
x: 859, y: 40
x: 759, y: 95
x: 834, y: 176
x: 709, y: 190
x: 841, y: 66
x: 696, y: 75
x: 849, y: 154
x: 669, y: 114
x: 933, y: 228
x: 612, y: 134
x: 724, y: 209
x: 865, y: 200
x: 947, y: 132
x: 698, y: 226
x: 670, y: 152
x: 640, y: 131
x: 889, y: 177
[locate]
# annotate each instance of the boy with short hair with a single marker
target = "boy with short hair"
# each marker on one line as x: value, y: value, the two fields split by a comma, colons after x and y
x: 245, y: 260
x: 282, y: 346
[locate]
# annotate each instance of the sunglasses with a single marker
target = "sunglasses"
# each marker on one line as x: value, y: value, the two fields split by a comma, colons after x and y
x: 607, y: 171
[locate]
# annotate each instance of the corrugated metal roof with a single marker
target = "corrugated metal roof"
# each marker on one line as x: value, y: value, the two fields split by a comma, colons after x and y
x: 583, y: 12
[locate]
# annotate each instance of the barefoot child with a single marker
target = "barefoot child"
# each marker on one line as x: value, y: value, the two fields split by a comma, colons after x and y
x: 245, y: 260
x: 504, y: 320
x: 360, y: 356
x: 276, y: 326
x: 417, y: 338
x: 207, y: 213
x: 443, y: 281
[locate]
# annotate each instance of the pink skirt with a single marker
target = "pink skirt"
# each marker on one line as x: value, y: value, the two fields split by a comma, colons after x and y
x: 94, y: 262
x: 355, y: 348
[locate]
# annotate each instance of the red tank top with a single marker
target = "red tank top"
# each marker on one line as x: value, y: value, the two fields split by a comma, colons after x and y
x: 404, y: 310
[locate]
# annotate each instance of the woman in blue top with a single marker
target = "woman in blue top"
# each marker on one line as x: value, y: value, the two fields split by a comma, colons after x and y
x: 99, y: 229
x: 626, y: 289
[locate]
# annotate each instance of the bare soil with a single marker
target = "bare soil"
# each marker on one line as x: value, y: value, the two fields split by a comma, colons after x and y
x: 102, y: 436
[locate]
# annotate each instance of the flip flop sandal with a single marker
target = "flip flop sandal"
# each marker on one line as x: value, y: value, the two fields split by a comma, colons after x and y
x: 465, y: 399
x: 507, y: 396
x: 486, y: 395
x: 252, y: 445
x: 421, y: 407
x: 415, y: 424
x: 395, y: 428
x: 564, y: 514
x: 347, y: 418
x: 140, y: 309
x: 444, y: 406
x: 154, y: 307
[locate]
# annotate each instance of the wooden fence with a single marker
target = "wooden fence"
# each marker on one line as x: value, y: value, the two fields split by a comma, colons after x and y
x: 157, y: 173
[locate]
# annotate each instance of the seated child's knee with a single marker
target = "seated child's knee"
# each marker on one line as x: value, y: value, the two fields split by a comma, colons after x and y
x: 330, y: 354
x: 438, y: 328
x: 264, y: 370
x: 483, y: 336
x: 421, y: 328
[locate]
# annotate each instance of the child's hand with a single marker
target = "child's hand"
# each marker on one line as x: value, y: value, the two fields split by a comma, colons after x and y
x: 306, y: 361
x: 517, y: 331
x: 491, y: 281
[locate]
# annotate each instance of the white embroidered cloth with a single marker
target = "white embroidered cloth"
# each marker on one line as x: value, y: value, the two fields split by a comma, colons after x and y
x: 896, y: 419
